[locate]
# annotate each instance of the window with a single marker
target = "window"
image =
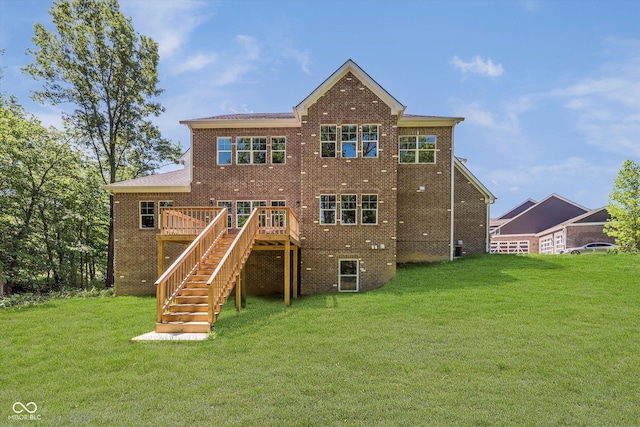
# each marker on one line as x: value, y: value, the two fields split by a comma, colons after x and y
x: 278, y: 150
x: 348, y: 206
x: 224, y: 150
x: 229, y: 205
x: 244, y: 209
x: 328, y: 140
x: 278, y: 217
x: 349, y: 276
x: 349, y: 141
x: 369, y: 140
x: 251, y: 151
x: 418, y: 149
x: 147, y: 215
x: 327, y: 209
x: 161, y: 205
x: 370, y: 209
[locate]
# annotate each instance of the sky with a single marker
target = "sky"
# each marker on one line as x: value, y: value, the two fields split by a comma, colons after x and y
x: 550, y: 90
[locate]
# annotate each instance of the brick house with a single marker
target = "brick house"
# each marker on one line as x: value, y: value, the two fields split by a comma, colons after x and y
x: 369, y: 185
x: 547, y: 227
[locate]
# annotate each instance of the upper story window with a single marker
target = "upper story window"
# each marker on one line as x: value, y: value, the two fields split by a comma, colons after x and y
x: 327, y: 209
x: 417, y: 149
x: 224, y: 150
x: 328, y: 140
x: 348, y: 207
x: 370, y: 209
x: 369, y: 140
x: 251, y: 151
x: 278, y: 150
x: 349, y: 141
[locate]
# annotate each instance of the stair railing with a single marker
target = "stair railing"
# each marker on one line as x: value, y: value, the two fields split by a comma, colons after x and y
x: 231, y: 263
x: 174, y: 278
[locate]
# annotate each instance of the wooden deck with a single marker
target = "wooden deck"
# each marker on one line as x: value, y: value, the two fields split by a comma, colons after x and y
x: 192, y: 291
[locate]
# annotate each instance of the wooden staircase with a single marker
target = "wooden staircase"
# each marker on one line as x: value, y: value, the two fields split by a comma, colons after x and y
x: 189, y: 311
x: 192, y: 291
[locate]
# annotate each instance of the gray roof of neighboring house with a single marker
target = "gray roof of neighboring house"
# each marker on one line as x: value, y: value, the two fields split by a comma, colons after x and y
x: 518, y: 209
x: 174, y: 181
x: 594, y: 216
x: 547, y: 213
x: 248, y: 116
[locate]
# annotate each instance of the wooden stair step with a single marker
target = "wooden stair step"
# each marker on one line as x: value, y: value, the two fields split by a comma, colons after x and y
x: 185, y: 317
x: 177, y: 327
x: 194, y: 292
x: 189, y: 308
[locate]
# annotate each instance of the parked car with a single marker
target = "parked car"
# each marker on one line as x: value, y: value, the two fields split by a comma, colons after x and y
x: 589, y: 248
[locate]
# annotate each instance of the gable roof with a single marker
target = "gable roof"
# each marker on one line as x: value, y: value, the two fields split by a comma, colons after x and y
x: 349, y: 67
x: 178, y: 181
x: 518, y: 209
x: 594, y: 216
x: 549, y: 212
x: 488, y: 196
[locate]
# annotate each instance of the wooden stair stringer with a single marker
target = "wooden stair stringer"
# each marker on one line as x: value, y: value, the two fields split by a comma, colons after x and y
x: 189, y: 308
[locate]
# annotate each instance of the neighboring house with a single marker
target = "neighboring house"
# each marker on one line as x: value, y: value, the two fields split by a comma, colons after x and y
x: 368, y: 186
x: 548, y: 227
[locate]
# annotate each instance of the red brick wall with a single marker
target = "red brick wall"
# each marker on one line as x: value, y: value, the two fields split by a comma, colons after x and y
x: 424, y: 217
x: 412, y: 225
x: 470, y: 216
x: 348, y: 102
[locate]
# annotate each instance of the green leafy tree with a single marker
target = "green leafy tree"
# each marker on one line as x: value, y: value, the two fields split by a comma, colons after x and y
x: 624, y: 207
x: 96, y: 61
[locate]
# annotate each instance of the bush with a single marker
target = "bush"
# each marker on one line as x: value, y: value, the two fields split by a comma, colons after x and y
x: 29, y: 299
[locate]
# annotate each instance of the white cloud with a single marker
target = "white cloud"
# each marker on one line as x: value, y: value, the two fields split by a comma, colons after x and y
x: 478, y: 66
x: 170, y: 23
x: 288, y: 51
x: 241, y: 63
x: 605, y: 109
x: 196, y: 62
x: 504, y: 120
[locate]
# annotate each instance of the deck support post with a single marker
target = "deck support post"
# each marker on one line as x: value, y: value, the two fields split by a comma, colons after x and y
x: 238, y: 290
x: 295, y: 272
x: 287, y: 272
x: 243, y: 288
x: 160, y: 257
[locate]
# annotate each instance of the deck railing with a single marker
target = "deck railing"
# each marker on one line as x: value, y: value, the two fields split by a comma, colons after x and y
x: 231, y: 264
x: 174, y: 278
x: 186, y: 220
x: 278, y: 220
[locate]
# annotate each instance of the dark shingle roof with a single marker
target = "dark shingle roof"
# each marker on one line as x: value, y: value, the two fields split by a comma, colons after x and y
x: 250, y: 116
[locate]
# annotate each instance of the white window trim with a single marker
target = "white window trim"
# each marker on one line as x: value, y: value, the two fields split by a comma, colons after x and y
x: 376, y: 140
x: 271, y: 150
x: 229, y: 211
x: 348, y: 141
x: 362, y: 209
x: 251, y: 151
x: 355, y: 210
x: 153, y: 215
x: 417, y: 150
x: 357, y: 275
x: 218, y: 151
x: 253, y: 206
x: 335, y: 142
x: 335, y: 210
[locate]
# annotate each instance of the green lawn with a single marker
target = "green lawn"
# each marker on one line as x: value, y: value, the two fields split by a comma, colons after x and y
x: 492, y: 340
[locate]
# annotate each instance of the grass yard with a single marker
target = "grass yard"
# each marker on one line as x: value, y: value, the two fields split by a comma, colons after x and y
x: 492, y: 340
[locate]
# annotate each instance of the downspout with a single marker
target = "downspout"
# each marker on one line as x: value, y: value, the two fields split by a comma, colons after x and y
x: 451, y: 245
x: 487, y: 240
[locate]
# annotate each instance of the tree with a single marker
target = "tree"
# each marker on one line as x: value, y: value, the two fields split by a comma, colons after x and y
x: 97, y: 62
x: 624, y: 207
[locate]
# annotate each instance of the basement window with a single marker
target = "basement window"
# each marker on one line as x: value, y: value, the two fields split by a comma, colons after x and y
x: 349, y: 277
